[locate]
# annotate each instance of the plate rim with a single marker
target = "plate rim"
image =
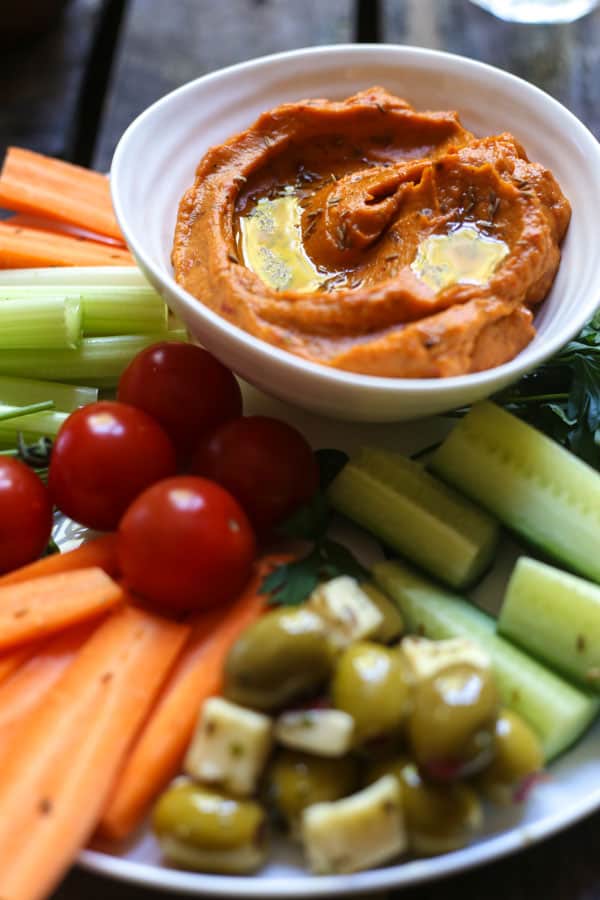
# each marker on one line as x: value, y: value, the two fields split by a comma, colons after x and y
x: 402, y: 875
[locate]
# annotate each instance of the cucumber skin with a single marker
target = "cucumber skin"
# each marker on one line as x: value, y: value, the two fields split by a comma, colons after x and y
x: 489, y: 457
x: 555, y: 616
x: 454, y: 551
x: 557, y: 711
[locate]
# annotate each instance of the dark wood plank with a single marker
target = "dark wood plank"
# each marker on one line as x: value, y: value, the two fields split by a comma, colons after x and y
x: 165, y: 45
x: 40, y: 81
x: 563, y: 60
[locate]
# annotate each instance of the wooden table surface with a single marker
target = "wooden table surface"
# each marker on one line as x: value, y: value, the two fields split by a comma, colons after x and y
x: 72, y: 91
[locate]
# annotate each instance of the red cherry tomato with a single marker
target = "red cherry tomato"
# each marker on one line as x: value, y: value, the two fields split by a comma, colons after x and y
x: 104, y: 455
x: 266, y: 464
x: 25, y: 514
x: 184, y: 388
x: 185, y: 544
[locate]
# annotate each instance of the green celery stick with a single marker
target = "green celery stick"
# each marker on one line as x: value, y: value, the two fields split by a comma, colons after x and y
x: 97, y: 361
x: 40, y: 323
x: 65, y: 397
x: 74, y: 276
x: 105, y: 310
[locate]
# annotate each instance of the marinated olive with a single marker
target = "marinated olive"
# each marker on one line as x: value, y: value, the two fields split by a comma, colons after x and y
x: 517, y: 756
x: 279, y: 659
x: 297, y: 780
x: 371, y: 684
x: 439, y: 818
x: 204, y: 830
x: 452, y: 721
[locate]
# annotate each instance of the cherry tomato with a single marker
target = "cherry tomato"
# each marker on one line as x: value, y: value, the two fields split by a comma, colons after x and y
x: 104, y: 455
x: 184, y: 388
x: 185, y: 544
x: 266, y: 464
x: 25, y: 514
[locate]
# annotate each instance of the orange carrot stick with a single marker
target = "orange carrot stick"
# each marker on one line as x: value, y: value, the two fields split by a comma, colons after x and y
x: 25, y: 220
x: 33, y: 680
x: 101, y: 552
x: 11, y: 661
x: 57, y: 770
x: 26, y: 248
x: 42, y: 606
x: 36, y: 184
x: 160, y: 748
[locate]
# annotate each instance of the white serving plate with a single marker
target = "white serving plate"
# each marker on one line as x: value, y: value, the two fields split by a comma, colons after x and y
x: 571, y: 791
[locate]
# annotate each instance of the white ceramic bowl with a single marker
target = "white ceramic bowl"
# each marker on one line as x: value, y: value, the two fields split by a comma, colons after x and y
x: 156, y: 159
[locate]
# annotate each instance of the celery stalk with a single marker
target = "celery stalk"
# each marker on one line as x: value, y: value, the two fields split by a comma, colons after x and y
x: 40, y: 323
x: 66, y: 397
x: 74, y: 276
x: 97, y: 361
x: 106, y: 310
x: 32, y: 426
x: 122, y: 310
x: 15, y: 412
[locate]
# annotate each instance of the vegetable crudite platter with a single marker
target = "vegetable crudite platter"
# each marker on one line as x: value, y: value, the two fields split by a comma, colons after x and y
x: 281, y: 654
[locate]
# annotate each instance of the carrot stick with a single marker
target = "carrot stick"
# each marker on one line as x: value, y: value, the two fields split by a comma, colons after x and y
x: 26, y: 248
x: 101, y: 552
x: 161, y: 746
x: 36, y: 608
x: 25, y: 220
x: 36, y: 184
x: 57, y: 770
x: 32, y: 681
x: 10, y: 662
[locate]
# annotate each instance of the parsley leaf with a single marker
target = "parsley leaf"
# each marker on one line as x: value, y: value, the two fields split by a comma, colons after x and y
x: 562, y: 397
x: 292, y: 583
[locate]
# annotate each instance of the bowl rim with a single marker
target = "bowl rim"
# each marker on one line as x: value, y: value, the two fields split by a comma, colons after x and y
x: 531, y: 356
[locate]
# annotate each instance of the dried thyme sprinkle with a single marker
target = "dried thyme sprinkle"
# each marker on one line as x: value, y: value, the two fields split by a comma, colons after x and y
x: 342, y: 236
x: 494, y: 206
x: 471, y: 201
x: 268, y: 141
x: 381, y: 108
x: 314, y: 213
x: 391, y: 256
x: 233, y: 258
x: 333, y: 201
x: 236, y: 750
x: 310, y: 228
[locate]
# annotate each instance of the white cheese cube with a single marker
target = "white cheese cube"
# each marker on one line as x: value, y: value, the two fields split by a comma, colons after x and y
x: 324, y: 732
x: 230, y: 747
x: 348, y: 612
x: 427, y: 658
x: 355, y: 833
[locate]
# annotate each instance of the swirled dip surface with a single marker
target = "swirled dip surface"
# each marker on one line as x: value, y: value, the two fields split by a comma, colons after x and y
x: 368, y: 236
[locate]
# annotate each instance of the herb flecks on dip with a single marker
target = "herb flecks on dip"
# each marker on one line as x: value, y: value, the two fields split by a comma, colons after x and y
x: 368, y: 236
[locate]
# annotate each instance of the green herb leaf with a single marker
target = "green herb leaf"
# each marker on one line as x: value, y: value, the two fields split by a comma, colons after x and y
x: 295, y: 583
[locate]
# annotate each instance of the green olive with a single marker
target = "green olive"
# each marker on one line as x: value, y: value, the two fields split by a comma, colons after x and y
x: 371, y: 684
x: 282, y: 657
x: 439, y: 817
x: 452, y: 721
x: 517, y: 756
x: 204, y: 830
x: 297, y: 780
